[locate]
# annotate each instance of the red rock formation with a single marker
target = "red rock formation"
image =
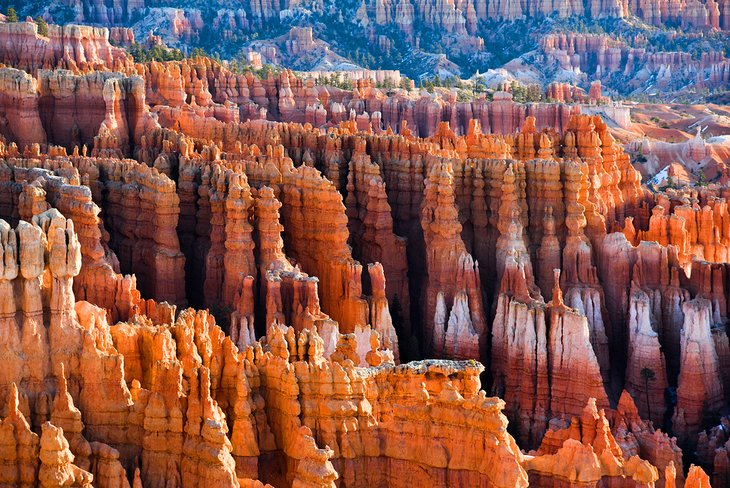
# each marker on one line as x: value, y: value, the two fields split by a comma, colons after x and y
x: 142, y: 210
x: 697, y: 478
x: 615, y: 265
x: 114, y: 118
x: 313, y: 377
x: 19, y: 459
x: 316, y: 226
x: 637, y: 436
x: 208, y: 90
x: 700, y: 389
x: 376, y: 242
x: 380, y: 319
x: 519, y: 354
x: 66, y: 416
x: 646, y: 378
x: 289, y: 296
x: 519, y: 330
x: 108, y: 471
x: 74, y: 47
x: 267, y: 224
x: 174, y: 437
x: 229, y: 260
x: 583, y: 291
x: 21, y: 121
x: 455, y: 322
x: 56, y: 461
x: 568, y: 351
x: 583, y: 451
x: 99, y: 280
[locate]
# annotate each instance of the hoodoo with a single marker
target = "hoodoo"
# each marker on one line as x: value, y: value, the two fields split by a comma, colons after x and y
x: 218, y: 273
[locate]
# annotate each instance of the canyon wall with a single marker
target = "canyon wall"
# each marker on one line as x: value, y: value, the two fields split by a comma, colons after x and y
x: 326, y: 252
x: 459, y: 17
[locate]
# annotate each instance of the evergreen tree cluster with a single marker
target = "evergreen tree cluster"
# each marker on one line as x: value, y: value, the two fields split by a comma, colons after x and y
x: 142, y: 54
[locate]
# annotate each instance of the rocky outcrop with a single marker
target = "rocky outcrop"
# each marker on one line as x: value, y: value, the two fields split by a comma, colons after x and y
x: 35, y: 185
x: 637, y: 436
x: 568, y: 350
x: 229, y: 259
x: 113, y: 121
x: 371, y: 231
x: 56, y: 461
x: 111, y: 13
x: 455, y: 322
x: 142, y: 212
x: 45, y: 109
x: 329, y: 252
x: 603, y: 56
x: 519, y: 352
x: 190, y: 441
x: 300, y: 306
x: 583, y: 450
x: 20, y: 122
x: 74, y: 47
x: 646, y: 378
x: 316, y: 226
x: 270, y: 394
x: 700, y: 389
x: 697, y: 478
x: 20, y: 445
x: 80, y: 338
x: 67, y: 417
x: 314, y: 377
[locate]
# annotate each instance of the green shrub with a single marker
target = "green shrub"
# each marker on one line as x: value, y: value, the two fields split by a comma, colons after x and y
x: 42, y: 26
x: 155, y: 53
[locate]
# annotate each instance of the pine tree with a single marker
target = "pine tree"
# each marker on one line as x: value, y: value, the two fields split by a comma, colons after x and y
x: 701, y: 178
x: 42, y: 26
x: 12, y: 15
x: 648, y: 375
